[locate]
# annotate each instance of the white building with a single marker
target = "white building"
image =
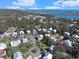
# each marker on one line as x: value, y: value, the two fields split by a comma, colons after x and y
x: 2, y: 49
x: 4, y: 35
x: 48, y: 56
x: 50, y: 29
x: 17, y: 55
x: 28, y: 32
x: 34, y: 31
x: 66, y: 33
x: 14, y: 34
x: 76, y: 36
x: 68, y: 43
x: 52, y: 47
x: 21, y: 32
x: 39, y: 37
x: 25, y: 40
x: 48, y: 35
x: 43, y: 29
x: 15, y: 43
x: 54, y: 30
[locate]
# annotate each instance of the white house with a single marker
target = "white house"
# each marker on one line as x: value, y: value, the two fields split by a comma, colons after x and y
x: 54, y: 30
x: 68, y: 43
x: 14, y: 34
x: 15, y: 43
x: 39, y: 29
x: 76, y: 36
x: 66, y: 33
x: 48, y: 56
x: 43, y: 29
x: 21, y: 32
x: 28, y: 32
x: 25, y: 40
x: 34, y: 31
x: 50, y: 29
x: 4, y: 35
x: 39, y: 37
x: 17, y: 55
x: 51, y: 47
x: 48, y: 35
x: 2, y: 49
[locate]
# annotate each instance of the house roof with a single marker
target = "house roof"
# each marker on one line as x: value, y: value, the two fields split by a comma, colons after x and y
x: 11, y: 29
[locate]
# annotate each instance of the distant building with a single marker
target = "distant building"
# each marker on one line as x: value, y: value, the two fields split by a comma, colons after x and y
x: 17, y: 55
x: 48, y: 56
x: 68, y: 43
x: 28, y: 32
x: 2, y: 49
x: 15, y: 43
x: 25, y: 40
x: 8, y: 32
x: 14, y: 34
x: 39, y: 37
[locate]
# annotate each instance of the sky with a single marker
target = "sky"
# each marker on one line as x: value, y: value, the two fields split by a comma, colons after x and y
x: 40, y: 4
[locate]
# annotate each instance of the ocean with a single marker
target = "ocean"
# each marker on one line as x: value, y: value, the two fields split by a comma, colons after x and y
x: 61, y: 13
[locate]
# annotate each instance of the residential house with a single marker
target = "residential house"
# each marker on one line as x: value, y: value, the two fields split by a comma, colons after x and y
x: 14, y: 34
x: 18, y: 55
x: 28, y: 32
x: 34, y: 53
x: 48, y: 56
x: 2, y: 50
x: 68, y: 42
x: 48, y: 35
x: 66, y: 33
x: 39, y: 37
x: 8, y: 32
x: 15, y: 43
x: 25, y: 40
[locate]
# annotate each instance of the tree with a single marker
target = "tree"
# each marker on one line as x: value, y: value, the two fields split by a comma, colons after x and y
x: 48, y: 41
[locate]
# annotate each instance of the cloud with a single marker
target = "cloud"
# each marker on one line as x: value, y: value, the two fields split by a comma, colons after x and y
x: 61, y: 4
x: 13, y: 7
x: 35, y: 8
x: 64, y: 3
x: 53, y: 7
x: 24, y: 3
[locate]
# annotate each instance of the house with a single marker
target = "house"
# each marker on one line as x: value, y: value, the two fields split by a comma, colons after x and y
x: 28, y: 32
x: 39, y: 37
x: 61, y: 42
x: 54, y: 30
x: 48, y: 56
x: 66, y: 33
x: 50, y: 29
x: 2, y: 49
x: 52, y: 49
x: 17, y: 55
x: 39, y: 29
x: 68, y: 42
x: 34, y: 53
x: 44, y: 30
x: 48, y: 35
x: 76, y: 36
x: 21, y: 32
x: 34, y: 31
x: 71, y: 25
x: 4, y: 35
x: 15, y: 43
x: 11, y: 30
x: 14, y: 34
x: 8, y: 32
x: 25, y: 40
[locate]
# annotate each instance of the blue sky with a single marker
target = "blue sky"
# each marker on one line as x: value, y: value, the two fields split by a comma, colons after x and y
x: 40, y: 4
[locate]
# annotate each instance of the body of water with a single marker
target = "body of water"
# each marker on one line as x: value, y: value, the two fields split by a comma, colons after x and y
x: 62, y: 13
